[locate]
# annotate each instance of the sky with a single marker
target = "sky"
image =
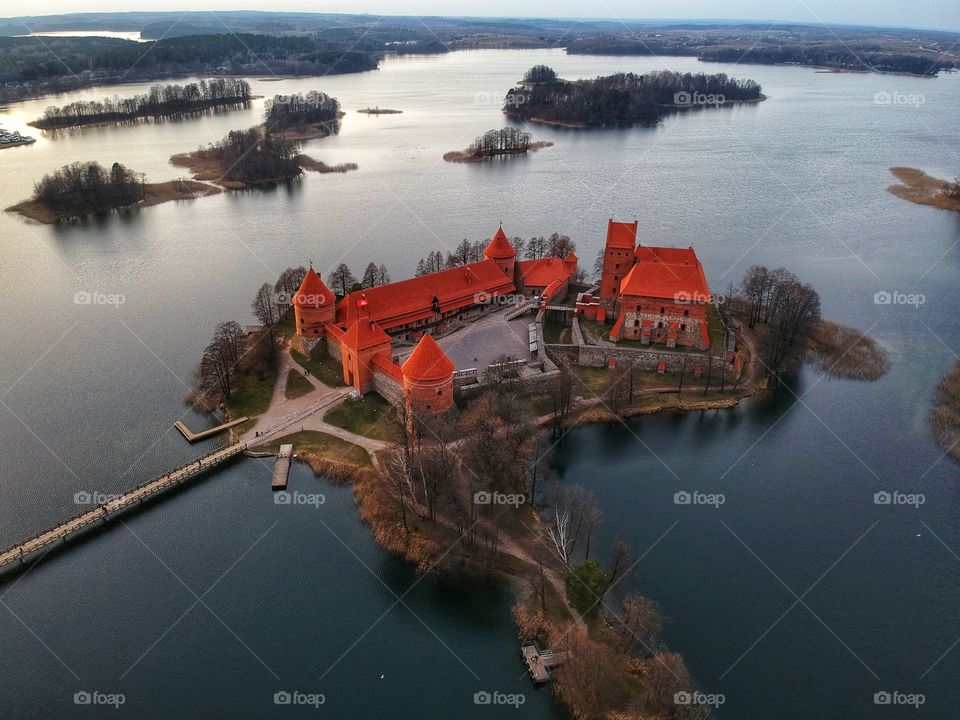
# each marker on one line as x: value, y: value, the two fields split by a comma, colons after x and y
x: 942, y: 14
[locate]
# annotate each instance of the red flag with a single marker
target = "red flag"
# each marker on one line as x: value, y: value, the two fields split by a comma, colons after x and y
x: 362, y: 302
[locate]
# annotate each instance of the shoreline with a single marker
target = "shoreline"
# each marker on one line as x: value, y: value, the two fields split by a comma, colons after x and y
x: 670, y: 107
x: 142, y: 118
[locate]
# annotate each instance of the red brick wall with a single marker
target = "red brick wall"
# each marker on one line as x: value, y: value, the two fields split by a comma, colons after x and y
x: 434, y: 396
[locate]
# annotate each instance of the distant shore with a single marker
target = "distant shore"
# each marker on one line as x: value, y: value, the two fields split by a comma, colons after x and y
x: 922, y: 189
x: 379, y: 111
x: 154, y: 194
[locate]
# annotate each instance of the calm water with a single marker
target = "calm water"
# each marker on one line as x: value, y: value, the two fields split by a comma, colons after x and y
x: 89, y: 394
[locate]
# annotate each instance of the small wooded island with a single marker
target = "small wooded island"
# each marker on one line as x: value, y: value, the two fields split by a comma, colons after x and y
x: 621, y: 99
x: 86, y: 188
x: 378, y: 111
x: 161, y: 101
x: 507, y: 142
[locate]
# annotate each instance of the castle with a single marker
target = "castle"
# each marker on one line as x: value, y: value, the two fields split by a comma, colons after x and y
x: 653, y: 295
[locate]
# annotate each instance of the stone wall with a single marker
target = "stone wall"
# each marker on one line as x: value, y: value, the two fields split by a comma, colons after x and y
x: 597, y: 356
x: 388, y: 388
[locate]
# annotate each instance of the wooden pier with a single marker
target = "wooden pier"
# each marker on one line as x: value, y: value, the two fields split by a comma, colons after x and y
x: 193, y: 437
x: 281, y: 470
x: 108, y: 511
x: 541, y: 662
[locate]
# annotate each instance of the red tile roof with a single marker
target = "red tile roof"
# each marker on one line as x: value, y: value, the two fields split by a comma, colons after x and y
x: 427, y: 362
x: 313, y: 292
x: 363, y: 334
x: 666, y: 273
x: 500, y: 247
x: 404, y: 302
x: 388, y: 366
x: 621, y: 234
x: 542, y: 272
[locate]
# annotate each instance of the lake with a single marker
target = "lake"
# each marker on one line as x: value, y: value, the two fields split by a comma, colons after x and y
x: 88, y: 395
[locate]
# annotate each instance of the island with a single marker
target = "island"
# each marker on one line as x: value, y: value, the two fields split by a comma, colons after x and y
x: 506, y: 142
x: 621, y: 99
x: 161, y: 101
x: 922, y: 189
x: 89, y: 188
x: 302, y: 116
x: 378, y: 111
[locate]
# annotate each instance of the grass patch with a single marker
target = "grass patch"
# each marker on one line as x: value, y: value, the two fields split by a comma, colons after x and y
x: 253, y: 389
x: 321, y: 445
x: 297, y: 385
x: 945, y: 416
x: 592, y: 379
x: 326, y: 369
x: 371, y: 416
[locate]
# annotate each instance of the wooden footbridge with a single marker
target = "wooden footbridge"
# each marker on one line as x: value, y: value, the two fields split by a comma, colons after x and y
x: 108, y: 511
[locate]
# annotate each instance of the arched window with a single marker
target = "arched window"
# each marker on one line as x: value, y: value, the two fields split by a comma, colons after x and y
x: 662, y: 310
x: 686, y: 313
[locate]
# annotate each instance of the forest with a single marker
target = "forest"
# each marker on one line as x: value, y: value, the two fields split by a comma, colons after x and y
x: 88, y: 186
x: 623, y: 98
x: 31, y: 66
x: 284, y: 112
x: 829, y: 55
x: 500, y: 142
x: 160, y: 101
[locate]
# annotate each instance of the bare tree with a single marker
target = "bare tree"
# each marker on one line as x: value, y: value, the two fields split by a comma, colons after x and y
x: 265, y: 310
x: 342, y: 279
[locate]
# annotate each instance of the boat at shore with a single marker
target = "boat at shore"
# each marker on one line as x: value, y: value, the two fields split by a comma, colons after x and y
x: 12, y: 139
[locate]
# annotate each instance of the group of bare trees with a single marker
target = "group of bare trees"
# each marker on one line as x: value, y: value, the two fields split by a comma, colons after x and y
x: 252, y: 157
x: 342, y: 280
x: 788, y: 310
x: 952, y: 190
x: 220, y: 367
x: 160, y: 101
x: 89, y: 186
x: 554, y: 245
x: 302, y: 109
x: 506, y: 141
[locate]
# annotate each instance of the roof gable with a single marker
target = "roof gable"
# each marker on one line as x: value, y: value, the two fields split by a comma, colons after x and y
x: 666, y: 273
x: 621, y: 234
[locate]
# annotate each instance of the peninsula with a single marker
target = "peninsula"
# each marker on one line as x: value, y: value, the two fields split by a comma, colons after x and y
x: 922, y: 189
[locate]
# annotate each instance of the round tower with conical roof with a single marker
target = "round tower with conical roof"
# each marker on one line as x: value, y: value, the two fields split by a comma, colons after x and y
x: 428, y: 378
x: 314, y: 305
x: 502, y: 252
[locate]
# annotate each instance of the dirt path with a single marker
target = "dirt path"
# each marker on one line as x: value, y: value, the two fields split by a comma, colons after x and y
x: 285, y: 416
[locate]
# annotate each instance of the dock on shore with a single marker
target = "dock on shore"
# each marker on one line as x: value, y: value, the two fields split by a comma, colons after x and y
x: 193, y: 437
x: 540, y: 662
x: 281, y: 470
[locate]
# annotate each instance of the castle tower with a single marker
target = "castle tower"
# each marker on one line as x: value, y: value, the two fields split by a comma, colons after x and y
x: 428, y: 378
x: 313, y: 306
x: 359, y: 345
x: 617, y: 258
x: 501, y: 251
